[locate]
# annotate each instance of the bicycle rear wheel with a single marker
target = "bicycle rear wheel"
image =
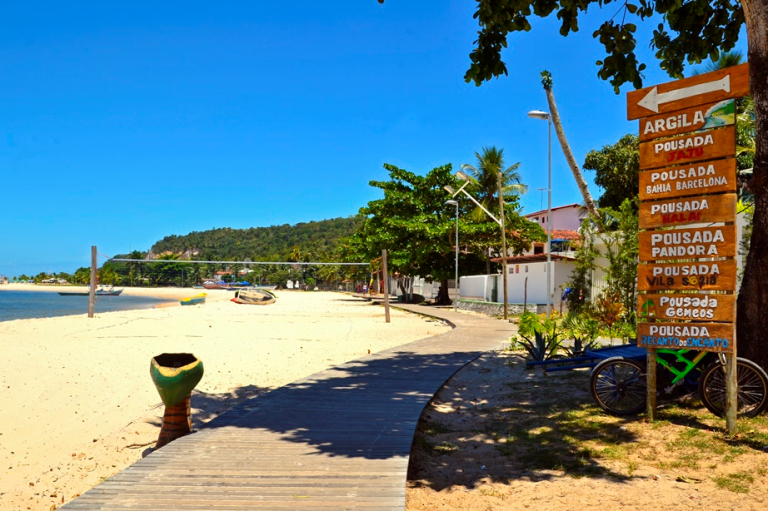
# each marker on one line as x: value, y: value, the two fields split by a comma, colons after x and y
x: 618, y: 386
x: 752, y: 393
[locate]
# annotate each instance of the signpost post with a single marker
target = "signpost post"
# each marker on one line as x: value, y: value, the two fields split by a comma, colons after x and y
x: 688, y: 184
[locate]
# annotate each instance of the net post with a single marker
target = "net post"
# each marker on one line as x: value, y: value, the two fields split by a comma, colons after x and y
x: 92, y: 290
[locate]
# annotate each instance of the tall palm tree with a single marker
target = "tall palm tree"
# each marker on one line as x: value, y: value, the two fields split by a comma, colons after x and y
x: 726, y: 59
x: 546, y: 82
x: 485, y: 181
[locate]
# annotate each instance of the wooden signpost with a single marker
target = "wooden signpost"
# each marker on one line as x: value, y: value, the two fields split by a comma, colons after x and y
x: 688, y: 208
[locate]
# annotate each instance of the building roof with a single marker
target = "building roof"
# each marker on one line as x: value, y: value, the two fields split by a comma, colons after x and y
x: 533, y: 258
x: 562, y: 234
x: 574, y: 205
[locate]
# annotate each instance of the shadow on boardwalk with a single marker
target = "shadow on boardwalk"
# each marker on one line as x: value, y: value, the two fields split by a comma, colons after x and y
x: 360, y: 409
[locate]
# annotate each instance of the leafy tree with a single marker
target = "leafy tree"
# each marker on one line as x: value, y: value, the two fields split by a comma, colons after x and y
x: 580, y: 280
x: 415, y: 225
x: 623, y: 255
x: 616, y: 167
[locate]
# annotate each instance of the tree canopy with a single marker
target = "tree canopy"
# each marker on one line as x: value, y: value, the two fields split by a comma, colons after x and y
x: 693, y: 31
x: 416, y: 226
x: 616, y: 167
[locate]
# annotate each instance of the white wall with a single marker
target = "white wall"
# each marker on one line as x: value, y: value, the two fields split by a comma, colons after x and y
x: 537, y: 282
x: 476, y: 287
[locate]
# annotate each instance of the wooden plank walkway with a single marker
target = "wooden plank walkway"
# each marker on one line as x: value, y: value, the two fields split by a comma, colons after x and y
x: 339, y: 439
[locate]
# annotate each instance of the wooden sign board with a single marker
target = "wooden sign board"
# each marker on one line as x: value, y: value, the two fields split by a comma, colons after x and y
x: 690, y: 210
x: 688, y: 243
x: 732, y: 82
x: 696, y: 307
x: 708, y: 145
x: 694, y: 179
x: 703, y: 276
x: 697, y: 336
x: 711, y: 115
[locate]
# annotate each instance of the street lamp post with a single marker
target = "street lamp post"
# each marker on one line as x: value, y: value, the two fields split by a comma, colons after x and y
x: 456, y: 266
x: 538, y: 114
x: 454, y: 193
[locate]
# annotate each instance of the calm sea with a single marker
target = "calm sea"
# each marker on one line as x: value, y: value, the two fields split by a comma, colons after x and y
x: 42, y: 304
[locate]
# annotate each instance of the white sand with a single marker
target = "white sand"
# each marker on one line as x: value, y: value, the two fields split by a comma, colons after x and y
x: 77, y: 403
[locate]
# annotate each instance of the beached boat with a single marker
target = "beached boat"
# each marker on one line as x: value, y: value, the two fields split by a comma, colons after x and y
x: 193, y: 300
x: 209, y: 284
x: 108, y: 292
x: 253, y: 297
x: 99, y: 292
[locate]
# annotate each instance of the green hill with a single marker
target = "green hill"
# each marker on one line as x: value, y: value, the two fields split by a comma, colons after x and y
x: 317, y: 241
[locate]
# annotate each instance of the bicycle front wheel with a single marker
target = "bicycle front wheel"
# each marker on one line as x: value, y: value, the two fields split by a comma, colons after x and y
x: 752, y: 392
x: 618, y: 386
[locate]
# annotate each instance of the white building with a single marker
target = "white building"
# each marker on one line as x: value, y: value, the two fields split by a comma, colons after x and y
x: 527, y: 273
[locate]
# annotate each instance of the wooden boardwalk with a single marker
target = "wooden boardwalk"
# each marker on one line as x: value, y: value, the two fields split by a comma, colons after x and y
x: 339, y: 439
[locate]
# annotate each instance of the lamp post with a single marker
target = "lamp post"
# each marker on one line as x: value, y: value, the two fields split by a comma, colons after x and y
x: 454, y: 193
x: 456, y: 266
x: 538, y: 114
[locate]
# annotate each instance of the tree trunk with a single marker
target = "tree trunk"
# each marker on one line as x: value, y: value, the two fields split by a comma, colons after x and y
x: 577, y: 175
x: 442, y: 294
x: 753, y: 296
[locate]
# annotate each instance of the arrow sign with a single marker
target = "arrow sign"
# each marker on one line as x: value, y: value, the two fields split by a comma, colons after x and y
x: 732, y: 82
x: 654, y: 99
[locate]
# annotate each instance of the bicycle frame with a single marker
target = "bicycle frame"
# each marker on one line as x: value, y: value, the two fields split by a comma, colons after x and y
x: 679, y: 357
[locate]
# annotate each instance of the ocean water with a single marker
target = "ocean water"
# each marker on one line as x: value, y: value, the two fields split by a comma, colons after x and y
x: 44, y: 304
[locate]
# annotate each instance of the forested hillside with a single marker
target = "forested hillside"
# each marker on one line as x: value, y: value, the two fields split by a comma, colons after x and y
x: 315, y: 241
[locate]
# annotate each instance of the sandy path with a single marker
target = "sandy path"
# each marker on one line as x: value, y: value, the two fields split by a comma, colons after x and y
x: 77, y: 403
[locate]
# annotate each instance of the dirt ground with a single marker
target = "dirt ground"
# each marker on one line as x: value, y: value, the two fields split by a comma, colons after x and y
x: 500, y: 437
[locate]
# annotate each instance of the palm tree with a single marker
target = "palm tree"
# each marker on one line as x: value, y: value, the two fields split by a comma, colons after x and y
x: 485, y: 180
x: 726, y: 59
x: 546, y: 82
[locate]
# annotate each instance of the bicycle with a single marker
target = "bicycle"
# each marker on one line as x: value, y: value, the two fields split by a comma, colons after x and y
x: 618, y: 384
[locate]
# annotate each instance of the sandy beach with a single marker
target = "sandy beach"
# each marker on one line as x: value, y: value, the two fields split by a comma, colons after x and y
x: 77, y: 403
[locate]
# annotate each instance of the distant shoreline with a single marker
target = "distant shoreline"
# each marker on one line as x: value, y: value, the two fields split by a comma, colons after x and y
x: 48, y: 304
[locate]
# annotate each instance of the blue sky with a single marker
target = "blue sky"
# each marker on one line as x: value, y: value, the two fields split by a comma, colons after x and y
x: 123, y: 124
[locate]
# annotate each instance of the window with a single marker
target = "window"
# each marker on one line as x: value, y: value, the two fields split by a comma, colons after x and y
x: 538, y: 249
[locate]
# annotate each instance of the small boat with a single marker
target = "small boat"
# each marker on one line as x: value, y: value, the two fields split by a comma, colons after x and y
x: 99, y: 292
x: 193, y: 300
x: 108, y: 292
x: 253, y: 297
x: 209, y: 284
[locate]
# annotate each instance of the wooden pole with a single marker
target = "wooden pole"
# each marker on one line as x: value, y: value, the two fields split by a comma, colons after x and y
x: 651, y: 383
x: 386, y: 283
x: 731, y: 383
x: 92, y: 290
x: 525, y: 296
x: 503, y: 243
